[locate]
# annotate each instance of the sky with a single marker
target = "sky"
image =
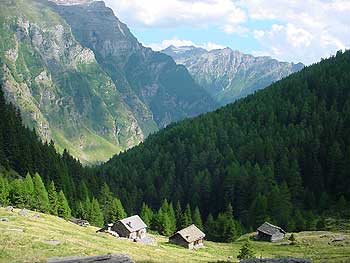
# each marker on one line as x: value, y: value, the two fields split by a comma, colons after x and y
x: 288, y: 30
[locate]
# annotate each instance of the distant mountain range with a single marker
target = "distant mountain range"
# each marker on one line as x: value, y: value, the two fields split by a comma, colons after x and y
x: 82, y: 79
x: 227, y: 74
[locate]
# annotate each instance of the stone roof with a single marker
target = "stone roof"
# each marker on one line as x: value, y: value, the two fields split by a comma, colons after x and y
x: 191, y: 233
x: 270, y: 229
x: 133, y: 223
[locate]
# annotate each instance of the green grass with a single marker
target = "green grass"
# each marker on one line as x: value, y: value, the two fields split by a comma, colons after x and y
x: 30, y: 246
x: 95, y: 149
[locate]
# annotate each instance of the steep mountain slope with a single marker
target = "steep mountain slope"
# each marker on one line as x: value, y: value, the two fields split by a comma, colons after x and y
x: 151, y: 83
x: 88, y: 84
x: 229, y: 75
x: 59, y: 86
x: 282, y: 154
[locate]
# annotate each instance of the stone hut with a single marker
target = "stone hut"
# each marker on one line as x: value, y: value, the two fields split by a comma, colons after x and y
x: 269, y: 232
x: 132, y: 227
x: 190, y: 237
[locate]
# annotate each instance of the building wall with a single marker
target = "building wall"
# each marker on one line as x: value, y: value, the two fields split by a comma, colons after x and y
x: 121, y: 230
x: 178, y: 240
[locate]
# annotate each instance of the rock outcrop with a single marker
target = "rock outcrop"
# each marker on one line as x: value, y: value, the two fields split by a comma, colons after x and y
x: 276, y: 260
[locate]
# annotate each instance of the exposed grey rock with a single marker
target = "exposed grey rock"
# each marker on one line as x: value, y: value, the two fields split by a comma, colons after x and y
x: 9, y: 209
x: 276, y: 260
x: 104, y: 259
x: 338, y: 239
x: 52, y: 242
x: 229, y: 75
x: 4, y: 219
x: 24, y: 212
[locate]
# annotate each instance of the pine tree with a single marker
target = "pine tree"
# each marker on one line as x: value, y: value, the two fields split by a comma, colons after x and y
x: 80, y: 211
x: 53, y: 199
x: 96, y: 215
x: 4, y: 191
x: 186, y: 219
x: 63, y: 208
x: 210, y: 227
x: 41, y: 201
x: 115, y: 211
x: 105, y: 200
x: 178, y: 215
x: 246, y: 251
x: 29, y: 191
x: 197, y: 218
x: 146, y: 214
x: 17, y: 193
x: 87, y: 208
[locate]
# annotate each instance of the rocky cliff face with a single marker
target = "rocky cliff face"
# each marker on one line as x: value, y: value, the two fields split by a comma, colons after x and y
x: 59, y: 86
x: 151, y: 83
x: 81, y: 78
x: 228, y: 75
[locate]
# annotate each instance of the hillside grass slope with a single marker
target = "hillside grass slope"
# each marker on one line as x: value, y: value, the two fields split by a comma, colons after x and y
x: 25, y: 239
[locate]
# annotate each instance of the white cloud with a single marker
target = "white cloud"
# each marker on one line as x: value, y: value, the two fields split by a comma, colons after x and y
x: 180, y: 43
x: 304, y: 30
x: 307, y: 30
x: 174, y: 13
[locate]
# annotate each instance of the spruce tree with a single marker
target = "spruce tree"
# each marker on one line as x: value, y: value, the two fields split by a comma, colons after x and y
x: 146, y: 214
x: 29, y: 191
x: 209, y: 227
x: 197, y: 218
x: 186, y: 219
x: 41, y: 200
x: 115, y: 211
x: 246, y: 251
x: 96, y: 215
x: 178, y: 215
x: 53, y: 199
x: 80, y: 211
x: 4, y: 191
x: 63, y: 208
x: 17, y: 193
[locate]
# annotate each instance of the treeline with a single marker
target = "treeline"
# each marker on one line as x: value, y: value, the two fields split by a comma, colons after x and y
x: 31, y: 193
x: 167, y: 220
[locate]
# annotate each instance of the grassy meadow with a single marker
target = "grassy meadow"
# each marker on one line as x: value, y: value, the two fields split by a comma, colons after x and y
x: 29, y: 239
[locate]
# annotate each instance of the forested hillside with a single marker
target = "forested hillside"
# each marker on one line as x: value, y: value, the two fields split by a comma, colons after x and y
x: 282, y: 154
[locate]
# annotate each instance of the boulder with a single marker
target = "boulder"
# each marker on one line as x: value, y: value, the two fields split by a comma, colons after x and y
x: 4, y: 219
x: 276, y: 260
x: 93, y: 259
x: 24, y: 212
x: 9, y: 209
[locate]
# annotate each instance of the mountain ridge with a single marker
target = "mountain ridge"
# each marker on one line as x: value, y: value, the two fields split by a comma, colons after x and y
x: 229, y: 74
x: 94, y: 92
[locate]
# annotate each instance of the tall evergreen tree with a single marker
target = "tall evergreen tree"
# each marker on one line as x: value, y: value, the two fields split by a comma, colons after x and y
x: 197, y: 218
x: 146, y: 214
x: 63, y: 208
x: 4, y: 191
x: 29, y: 191
x: 178, y: 215
x: 41, y: 201
x: 53, y: 199
x: 96, y: 215
x: 186, y: 218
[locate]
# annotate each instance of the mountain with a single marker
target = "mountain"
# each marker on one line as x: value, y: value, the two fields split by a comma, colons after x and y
x: 93, y: 89
x: 151, y: 82
x: 229, y: 75
x: 281, y: 155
